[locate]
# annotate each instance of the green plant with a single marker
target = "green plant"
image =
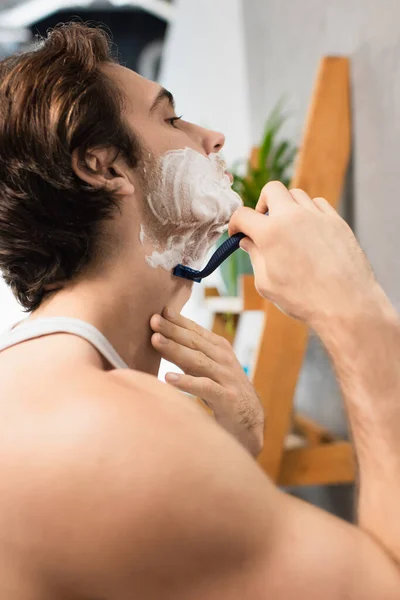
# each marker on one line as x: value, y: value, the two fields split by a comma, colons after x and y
x: 275, y: 159
x: 274, y: 162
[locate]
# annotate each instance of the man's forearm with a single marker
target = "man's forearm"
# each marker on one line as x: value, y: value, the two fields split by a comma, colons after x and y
x: 365, y: 348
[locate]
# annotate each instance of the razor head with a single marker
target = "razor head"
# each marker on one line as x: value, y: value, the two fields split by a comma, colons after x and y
x: 186, y: 273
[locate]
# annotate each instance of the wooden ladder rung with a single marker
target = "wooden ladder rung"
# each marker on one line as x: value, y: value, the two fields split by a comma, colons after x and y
x: 320, y: 465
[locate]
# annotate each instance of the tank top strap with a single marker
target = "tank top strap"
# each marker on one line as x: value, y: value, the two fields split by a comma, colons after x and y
x: 31, y: 329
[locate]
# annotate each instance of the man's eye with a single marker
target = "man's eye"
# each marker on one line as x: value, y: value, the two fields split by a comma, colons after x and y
x: 172, y: 121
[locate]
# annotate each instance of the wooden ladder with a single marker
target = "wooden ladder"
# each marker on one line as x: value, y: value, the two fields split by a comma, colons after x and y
x: 320, y: 171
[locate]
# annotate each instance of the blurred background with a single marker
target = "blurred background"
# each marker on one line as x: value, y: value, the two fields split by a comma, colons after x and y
x: 247, y: 68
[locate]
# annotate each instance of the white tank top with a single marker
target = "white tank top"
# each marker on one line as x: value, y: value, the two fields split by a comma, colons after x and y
x: 28, y: 330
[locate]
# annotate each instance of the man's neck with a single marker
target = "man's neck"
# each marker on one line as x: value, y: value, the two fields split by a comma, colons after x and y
x: 121, y: 311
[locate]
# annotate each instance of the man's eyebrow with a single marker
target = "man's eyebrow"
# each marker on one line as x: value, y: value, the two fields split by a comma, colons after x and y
x: 162, y: 95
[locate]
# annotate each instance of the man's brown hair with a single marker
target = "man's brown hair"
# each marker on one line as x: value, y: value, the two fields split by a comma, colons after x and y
x: 53, y: 100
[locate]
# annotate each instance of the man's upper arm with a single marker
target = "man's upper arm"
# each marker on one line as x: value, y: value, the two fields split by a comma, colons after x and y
x: 171, y: 507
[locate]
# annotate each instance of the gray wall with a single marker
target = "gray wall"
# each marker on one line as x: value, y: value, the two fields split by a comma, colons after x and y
x: 285, y: 40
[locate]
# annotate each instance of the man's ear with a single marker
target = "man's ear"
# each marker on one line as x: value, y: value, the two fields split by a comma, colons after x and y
x: 102, y: 169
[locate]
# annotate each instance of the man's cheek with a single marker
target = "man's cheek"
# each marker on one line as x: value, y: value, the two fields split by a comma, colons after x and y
x: 189, y: 203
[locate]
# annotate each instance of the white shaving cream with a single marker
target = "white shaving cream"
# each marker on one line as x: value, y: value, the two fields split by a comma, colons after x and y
x: 191, y: 203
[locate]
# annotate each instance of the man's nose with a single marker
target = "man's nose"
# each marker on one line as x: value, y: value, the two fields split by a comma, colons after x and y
x: 213, y: 141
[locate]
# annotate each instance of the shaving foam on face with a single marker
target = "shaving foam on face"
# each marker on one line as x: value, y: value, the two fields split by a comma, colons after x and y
x: 190, y: 203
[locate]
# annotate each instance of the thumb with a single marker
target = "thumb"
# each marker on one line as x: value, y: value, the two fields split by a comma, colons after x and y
x: 247, y: 245
x: 247, y: 221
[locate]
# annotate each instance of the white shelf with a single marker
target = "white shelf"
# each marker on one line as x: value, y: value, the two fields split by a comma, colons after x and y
x: 225, y: 304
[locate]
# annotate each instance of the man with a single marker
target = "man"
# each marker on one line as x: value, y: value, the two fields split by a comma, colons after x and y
x: 115, y: 486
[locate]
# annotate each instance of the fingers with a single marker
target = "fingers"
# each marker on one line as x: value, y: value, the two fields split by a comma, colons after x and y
x: 274, y: 197
x: 202, y: 387
x: 247, y: 245
x: 245, y: 220
x: 186, y: 336
x: 303, y: 199
x: 181, y: 321
x: 249, y: 222
x: 324, y: 206
x: 192, y: 362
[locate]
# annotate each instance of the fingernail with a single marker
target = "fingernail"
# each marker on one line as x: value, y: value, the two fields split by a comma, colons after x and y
x: 162, y: 339
x: 172, y: 377
x: 243, y: 245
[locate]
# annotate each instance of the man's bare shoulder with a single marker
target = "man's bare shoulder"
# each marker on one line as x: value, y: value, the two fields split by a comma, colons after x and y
x: 134, y: 402
x: 135, y: 412
x: 200, y: 509
x: 151, y: 480
x: 141, y: 494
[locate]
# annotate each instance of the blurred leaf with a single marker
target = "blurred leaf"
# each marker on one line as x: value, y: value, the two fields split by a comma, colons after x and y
x: 279, y: 153
x: 274, y: 162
